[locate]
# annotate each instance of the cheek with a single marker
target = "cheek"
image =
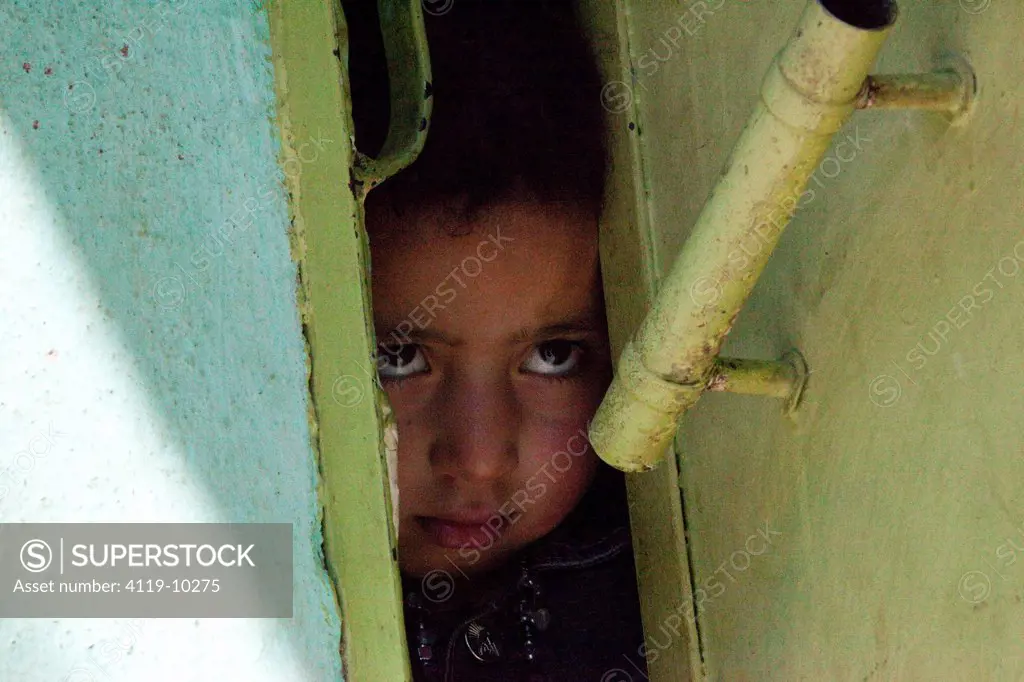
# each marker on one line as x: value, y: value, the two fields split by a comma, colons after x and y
x: 554, y: 450
x: 560, y: 461
x: 564, y: 406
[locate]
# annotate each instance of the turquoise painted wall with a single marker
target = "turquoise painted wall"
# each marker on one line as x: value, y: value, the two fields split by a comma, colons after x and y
x: 153, y: 362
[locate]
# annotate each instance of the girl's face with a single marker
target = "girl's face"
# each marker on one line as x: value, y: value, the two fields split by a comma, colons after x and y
x: 493, y: 350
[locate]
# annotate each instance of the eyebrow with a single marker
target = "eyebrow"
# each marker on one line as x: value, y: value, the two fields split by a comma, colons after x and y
x: 581, y: 324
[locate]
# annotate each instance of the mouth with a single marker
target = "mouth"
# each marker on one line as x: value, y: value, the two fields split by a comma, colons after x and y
x: 463, y: 529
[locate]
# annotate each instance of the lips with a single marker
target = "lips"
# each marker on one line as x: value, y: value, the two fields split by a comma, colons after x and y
x: 462, y: 529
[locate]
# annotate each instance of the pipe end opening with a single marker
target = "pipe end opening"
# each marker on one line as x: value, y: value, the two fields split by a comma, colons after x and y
x: 863, y: 14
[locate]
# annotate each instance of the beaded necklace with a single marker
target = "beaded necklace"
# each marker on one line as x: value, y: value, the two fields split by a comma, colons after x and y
x: 486, y: 642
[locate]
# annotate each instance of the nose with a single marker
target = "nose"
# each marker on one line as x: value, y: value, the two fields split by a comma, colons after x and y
x: 477, y: 442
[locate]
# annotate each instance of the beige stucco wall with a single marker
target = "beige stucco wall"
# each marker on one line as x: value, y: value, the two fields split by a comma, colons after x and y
x: 870, y: 536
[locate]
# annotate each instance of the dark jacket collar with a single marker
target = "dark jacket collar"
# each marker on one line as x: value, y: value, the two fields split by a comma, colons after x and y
x: 595, y: 531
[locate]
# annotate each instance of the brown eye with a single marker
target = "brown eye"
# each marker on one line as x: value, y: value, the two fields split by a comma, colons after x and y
x: 399, y: 362
x: 554, y: 358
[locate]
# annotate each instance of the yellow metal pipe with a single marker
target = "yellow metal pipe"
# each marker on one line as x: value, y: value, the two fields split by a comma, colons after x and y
x: 808, y: 93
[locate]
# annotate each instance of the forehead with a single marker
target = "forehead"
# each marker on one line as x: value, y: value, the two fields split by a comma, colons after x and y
x: 515, y: 266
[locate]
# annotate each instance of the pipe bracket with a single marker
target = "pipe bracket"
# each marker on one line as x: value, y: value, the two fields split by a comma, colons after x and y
x: 784, y: 378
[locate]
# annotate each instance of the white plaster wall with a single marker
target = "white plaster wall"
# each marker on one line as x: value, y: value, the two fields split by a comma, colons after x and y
x: 148, y: 371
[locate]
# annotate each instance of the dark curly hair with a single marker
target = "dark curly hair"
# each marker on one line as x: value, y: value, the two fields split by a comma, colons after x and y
x: 516, y: 112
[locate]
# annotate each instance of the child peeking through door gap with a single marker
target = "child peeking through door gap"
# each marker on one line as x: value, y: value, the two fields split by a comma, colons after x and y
x: 493, y: 350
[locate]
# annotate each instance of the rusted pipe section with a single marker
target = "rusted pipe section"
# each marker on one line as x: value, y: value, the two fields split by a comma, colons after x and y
x: 751, y: 377
x: 948, y: 91
x: 784, y: 378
